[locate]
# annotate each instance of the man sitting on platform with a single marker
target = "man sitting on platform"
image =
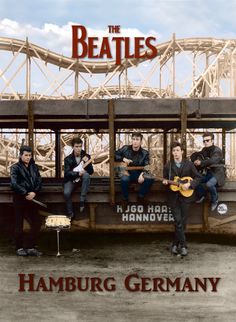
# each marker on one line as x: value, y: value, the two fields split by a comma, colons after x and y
x: 73, y: 176
x: 134, y: 155
x: 214, y: 166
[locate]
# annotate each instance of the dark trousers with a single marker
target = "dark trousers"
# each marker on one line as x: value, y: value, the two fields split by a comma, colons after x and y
x: 180, y: 212
x: 25, y: 209
x: 133, y: 177
x: 69, y: 186
x: 208, y: 182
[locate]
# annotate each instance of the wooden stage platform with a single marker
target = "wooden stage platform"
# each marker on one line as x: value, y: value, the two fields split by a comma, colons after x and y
x: 99, y: 215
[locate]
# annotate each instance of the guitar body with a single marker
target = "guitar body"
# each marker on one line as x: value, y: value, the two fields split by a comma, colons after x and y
x: 79, y: 168
x: 178, y: 186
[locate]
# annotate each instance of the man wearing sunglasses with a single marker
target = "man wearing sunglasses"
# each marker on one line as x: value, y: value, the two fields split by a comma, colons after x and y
x: 213, y: 164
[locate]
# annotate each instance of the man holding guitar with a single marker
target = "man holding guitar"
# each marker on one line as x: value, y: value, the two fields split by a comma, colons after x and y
x: 77, y: 168
x: 136, y: 157
x: 179, y: 204
x: 213, y: 164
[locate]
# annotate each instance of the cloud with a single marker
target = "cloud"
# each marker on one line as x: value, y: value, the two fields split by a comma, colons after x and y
x: 58, y: 38
x: 187, y: 18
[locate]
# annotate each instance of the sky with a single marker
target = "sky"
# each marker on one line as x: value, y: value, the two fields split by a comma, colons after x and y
x: 47, y: 22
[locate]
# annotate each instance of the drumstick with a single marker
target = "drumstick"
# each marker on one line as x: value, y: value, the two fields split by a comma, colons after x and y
x: 39, y: 203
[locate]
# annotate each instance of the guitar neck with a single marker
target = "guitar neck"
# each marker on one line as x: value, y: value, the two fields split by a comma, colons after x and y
x: 125, y: 166
x: 169, y: 181
x: 134, y: 168
x: 88, y: 162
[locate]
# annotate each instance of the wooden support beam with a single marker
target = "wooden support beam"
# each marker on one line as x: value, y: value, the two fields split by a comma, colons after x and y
x: 223, y: 142
x: 205, y: 223
x: 111, y: 150
x: 31, y: 125
x: 92, y: 215
x: 164, y: 147
x: 183, y: 117
x: 58, y: 153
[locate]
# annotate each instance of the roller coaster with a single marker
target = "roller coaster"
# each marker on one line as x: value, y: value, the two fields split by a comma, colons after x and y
x: 194, y: 67
x: 47, y: 98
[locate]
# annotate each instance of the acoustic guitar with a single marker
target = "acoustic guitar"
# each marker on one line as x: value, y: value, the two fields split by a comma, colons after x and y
x: 176, y: 184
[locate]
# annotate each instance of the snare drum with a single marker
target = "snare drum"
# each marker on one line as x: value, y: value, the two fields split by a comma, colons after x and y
x: 58, y: 222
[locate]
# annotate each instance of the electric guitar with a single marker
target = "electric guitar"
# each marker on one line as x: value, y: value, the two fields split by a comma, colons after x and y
x: 83, y: 164
x: 122, y: 168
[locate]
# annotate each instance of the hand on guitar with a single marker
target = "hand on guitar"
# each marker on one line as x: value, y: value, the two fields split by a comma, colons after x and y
x: 197, y: 162
x: 85, y: 158
x: 141, y: 178
x: 81, y: 173
x: 185, y: 186
x: 30, y: 195
x: 128, y: 161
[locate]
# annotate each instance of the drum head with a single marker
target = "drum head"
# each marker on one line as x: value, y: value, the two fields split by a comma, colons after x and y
x: 58, y: 222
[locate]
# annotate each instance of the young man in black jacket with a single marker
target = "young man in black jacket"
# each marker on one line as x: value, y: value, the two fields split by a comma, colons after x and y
x: 176, y: 201
x: 72, y: 177
x: 134, y: 155
x: 214, y: 166
x: 26, y: 183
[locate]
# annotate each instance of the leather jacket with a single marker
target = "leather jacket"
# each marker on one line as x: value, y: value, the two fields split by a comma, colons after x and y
x: 140, y: 157
x: 214, y: 162
x: 25, y: 179
x: 70, y: 163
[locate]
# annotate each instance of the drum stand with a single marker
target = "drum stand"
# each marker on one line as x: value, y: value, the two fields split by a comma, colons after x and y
x: 58, y: 223
x: 58, y: 242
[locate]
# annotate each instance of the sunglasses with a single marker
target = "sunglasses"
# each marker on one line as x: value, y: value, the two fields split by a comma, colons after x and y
x: 206, y: 140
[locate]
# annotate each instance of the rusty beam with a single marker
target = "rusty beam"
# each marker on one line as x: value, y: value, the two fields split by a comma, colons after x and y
x: 92, y: 215
x: 205, y: 223
x: 58, y: 153
x: 183, y: 117
x: 223, y: 142
x: 111, y: 150
x: 30, y: 126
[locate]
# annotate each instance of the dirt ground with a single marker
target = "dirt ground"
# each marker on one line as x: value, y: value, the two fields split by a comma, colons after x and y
x: 118, y: 255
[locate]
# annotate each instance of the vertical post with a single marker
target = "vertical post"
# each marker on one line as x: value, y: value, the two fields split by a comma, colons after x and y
x: 164, y: 147
x: 223, y: 142
x: 111, y: 150
x: 173, y: 47
x: 194, y: 74
x: 232, y: 153
x: 58, y: 153
x: 31, y: 125
x: 76, y: 82
x: 6, y: 164
x: 183, y: 116
x: 126, y: 79
x: 205, y: 223
x: 28, y: 70
x: 206, y: 91
x: 92, y: 215
x: 160, y: 81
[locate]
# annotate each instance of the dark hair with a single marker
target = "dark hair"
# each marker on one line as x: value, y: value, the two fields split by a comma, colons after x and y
x: 137, y: 135
x: 25, y: 148
x: 76, y: 140
x: 208, y: 134
x: 175, y: 145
